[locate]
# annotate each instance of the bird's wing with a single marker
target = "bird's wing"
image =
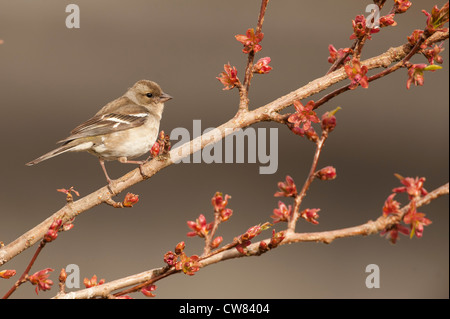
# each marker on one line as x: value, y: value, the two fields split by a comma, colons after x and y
x: 124, y: 118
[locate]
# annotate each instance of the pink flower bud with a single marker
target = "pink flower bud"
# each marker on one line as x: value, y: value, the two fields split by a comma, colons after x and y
x: 326, y: 173
x: 40, y: 279
x: 402, y: 5
x: 357, y: 74
x: 360, y: 28
x: 329, y: 120
x: 338, y: 54
x: 229, y: 77
x: 154, y: 151
x: 216, y: 242
x: 241, y: 247
x: 189, y: 265
x: 7, y: 273
x: 250, y: 40
x: 412, y: 186
x: 391, y: 206
x: 130, y: 200
x: 147, y: 290
x: 88, y: 283
x: 219, y: 202
x: 310, y: 215
x: 62, y: 276
x: 50, y: 235
x: 170, y: 258
x: 52, y: 232
x: 387, y: 20
x: 282, y: 214
x: 287, y: 189
x: 263, y: 247
x: 276, y: 239
x: 200, y: 227
x: 262, y: 66
x: 179, y: 248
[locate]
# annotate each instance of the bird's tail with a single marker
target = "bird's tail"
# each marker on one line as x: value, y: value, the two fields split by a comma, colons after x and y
x: 55, y: 152
x: 71, y: 146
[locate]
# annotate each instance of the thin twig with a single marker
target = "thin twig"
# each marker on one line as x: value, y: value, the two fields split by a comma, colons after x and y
x: 340, y: 61
x: 243, y: 90
x: 377, y: 76
x: 210, y: 236
x: 358, y: 44
x: 168, y: 272
x: 24, y: 276
x: 298, y: 199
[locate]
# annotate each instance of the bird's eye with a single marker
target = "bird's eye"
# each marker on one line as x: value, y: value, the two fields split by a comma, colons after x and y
x: 149, y: 94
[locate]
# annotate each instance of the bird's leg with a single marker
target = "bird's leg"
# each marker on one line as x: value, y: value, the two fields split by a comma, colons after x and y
x: 124, y: 160
x: 102, y: 164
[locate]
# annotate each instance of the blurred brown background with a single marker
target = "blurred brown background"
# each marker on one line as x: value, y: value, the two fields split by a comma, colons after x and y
x: 53, y: 78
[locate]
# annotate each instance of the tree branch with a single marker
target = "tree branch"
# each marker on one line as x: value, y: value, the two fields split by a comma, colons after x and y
x: 369, y: 228
x: 142, y: 279
x: 298, y: 199
x: 243, y: 90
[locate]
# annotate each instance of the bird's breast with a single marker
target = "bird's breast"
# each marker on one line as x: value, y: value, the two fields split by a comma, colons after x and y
x: 129, y: 143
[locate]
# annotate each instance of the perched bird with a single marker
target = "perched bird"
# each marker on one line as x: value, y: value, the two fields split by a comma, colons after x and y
x: 123, y: 129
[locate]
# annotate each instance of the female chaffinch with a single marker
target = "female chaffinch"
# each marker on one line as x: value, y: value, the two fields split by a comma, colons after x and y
x: 123, y: 129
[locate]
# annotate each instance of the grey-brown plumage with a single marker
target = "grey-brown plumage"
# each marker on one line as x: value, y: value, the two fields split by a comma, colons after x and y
x: 123, y: 129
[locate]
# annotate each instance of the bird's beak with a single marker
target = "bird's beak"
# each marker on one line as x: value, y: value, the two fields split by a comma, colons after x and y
x: 165, y: 97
